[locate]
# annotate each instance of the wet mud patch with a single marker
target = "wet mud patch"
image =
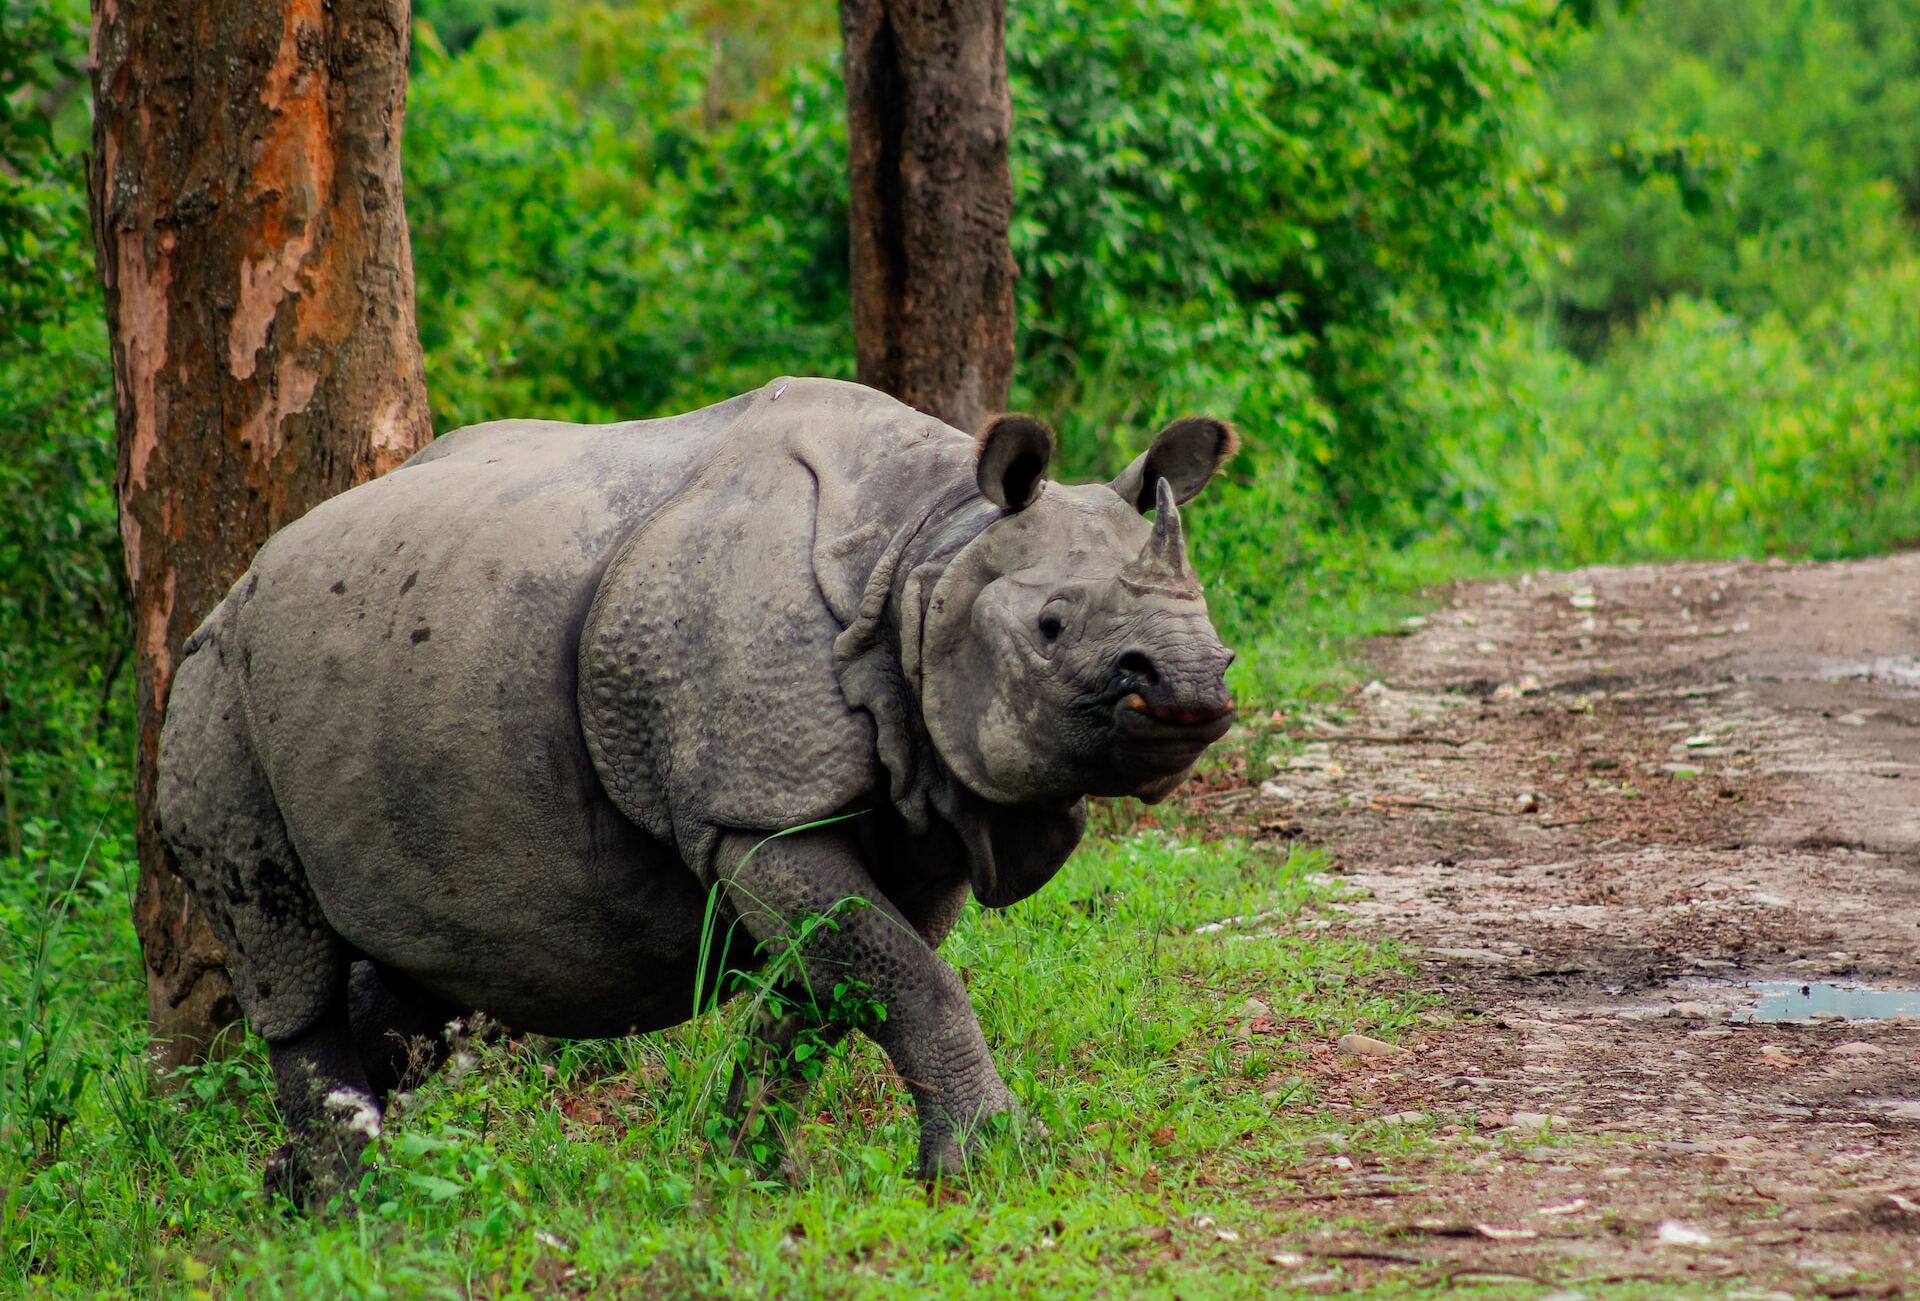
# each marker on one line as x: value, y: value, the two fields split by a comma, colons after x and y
x: 1623, y: 818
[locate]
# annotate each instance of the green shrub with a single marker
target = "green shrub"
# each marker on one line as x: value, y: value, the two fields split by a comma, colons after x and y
x: 1751, y: 154
x: 1700, y: 434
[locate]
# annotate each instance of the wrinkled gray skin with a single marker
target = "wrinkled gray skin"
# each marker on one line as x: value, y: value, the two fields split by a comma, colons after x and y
x: 482, y: 734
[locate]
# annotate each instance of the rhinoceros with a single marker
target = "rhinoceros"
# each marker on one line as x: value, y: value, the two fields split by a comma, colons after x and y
x: 514, y: 730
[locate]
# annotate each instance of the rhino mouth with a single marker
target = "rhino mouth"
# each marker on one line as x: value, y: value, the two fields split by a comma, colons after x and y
x: 1179, y: 716
x: 1149, y: 724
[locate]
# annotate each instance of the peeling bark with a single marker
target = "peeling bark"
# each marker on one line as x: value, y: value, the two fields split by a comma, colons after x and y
x: 928, y: 116
x: 259, y: 284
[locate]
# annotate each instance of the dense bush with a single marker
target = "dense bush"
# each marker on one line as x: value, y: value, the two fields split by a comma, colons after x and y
x: 1698, y: 433
x: 1750, y: 154
x: 1275, y: 212
x: 63, y: 630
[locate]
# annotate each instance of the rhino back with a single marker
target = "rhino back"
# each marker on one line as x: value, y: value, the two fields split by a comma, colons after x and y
x: 409, y: 655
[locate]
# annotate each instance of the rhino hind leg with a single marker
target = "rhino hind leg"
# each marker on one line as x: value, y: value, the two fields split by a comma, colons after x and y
x: 399, y: 1027
x: 224, y: 834
x: 329, y: 1108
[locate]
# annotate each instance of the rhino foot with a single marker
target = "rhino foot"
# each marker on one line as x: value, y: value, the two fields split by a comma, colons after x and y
x: 316, y: 1172
x: 948, y: 1146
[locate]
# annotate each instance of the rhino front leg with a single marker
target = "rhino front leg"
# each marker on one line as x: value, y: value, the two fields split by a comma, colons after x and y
x: 782, y: 887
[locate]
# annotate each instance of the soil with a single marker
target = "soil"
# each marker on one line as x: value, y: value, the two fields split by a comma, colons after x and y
x: 1596, y: 805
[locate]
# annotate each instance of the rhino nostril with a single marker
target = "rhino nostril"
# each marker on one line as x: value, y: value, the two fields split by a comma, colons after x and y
x: 1136, y: 665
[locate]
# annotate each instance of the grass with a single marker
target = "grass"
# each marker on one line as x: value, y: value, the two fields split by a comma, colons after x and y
x: 561, y: 1165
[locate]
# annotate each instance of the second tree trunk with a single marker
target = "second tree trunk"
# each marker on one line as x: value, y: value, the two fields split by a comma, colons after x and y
x: 928, y: 118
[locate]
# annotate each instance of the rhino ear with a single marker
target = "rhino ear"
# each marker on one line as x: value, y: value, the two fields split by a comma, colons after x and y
x: 1014, y: 452
x: 1186, y: 454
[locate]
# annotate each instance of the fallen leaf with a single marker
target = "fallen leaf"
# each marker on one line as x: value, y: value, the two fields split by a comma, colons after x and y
x: 1360, y: 1045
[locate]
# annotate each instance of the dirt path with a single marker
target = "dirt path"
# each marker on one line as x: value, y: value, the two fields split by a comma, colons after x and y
x: 1598, y: 804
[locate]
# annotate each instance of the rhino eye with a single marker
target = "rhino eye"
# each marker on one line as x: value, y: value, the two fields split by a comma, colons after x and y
x: 1050, y: 626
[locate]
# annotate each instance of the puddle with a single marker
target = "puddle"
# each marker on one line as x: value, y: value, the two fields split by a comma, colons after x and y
x: 1892, y: 1108
x: 1780, y: 1000
x: 1897, y: 670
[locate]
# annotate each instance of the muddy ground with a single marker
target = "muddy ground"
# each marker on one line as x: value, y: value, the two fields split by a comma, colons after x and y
x: 1597, y: 805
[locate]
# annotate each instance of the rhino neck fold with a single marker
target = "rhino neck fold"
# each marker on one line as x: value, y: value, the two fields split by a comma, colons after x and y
x: 878, y: 657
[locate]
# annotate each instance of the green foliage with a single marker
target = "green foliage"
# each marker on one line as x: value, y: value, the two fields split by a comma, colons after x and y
x: 1734, y: 280
x: 1271, y: 211
x: 588, y: 248
x: 1702, y: 434
x: 1751, y: 154
x: 63, y: 633
x: 453, y: 25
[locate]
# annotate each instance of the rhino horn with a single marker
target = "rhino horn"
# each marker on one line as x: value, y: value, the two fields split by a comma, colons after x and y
x: 1162, y: 563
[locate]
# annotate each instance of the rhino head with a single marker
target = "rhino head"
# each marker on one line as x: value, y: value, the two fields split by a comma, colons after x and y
x: 1066, y: 649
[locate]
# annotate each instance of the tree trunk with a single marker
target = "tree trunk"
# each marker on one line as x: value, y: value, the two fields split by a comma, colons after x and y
x: 927, y: 123
x: 259, y: 286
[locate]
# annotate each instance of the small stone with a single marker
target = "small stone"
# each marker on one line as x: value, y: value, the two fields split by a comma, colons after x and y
x: 1254, y: 1007
x: 1695, y: 742
x: 1275, y: 791
x: 1500, y: 1234
x: 1286, y: 1259
x: 1693, y: 1011
x: 1535, y: 1122
x: 1485, y: 647
x: 1904, y: 1111
x: 1415, y: 621
x: 1583, y: 600
x: 1404, y: 1118
x: 1360, y: 1045
x: 1672, y: 1233
x: 1526, y: 802
x: 1856, y: 1049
